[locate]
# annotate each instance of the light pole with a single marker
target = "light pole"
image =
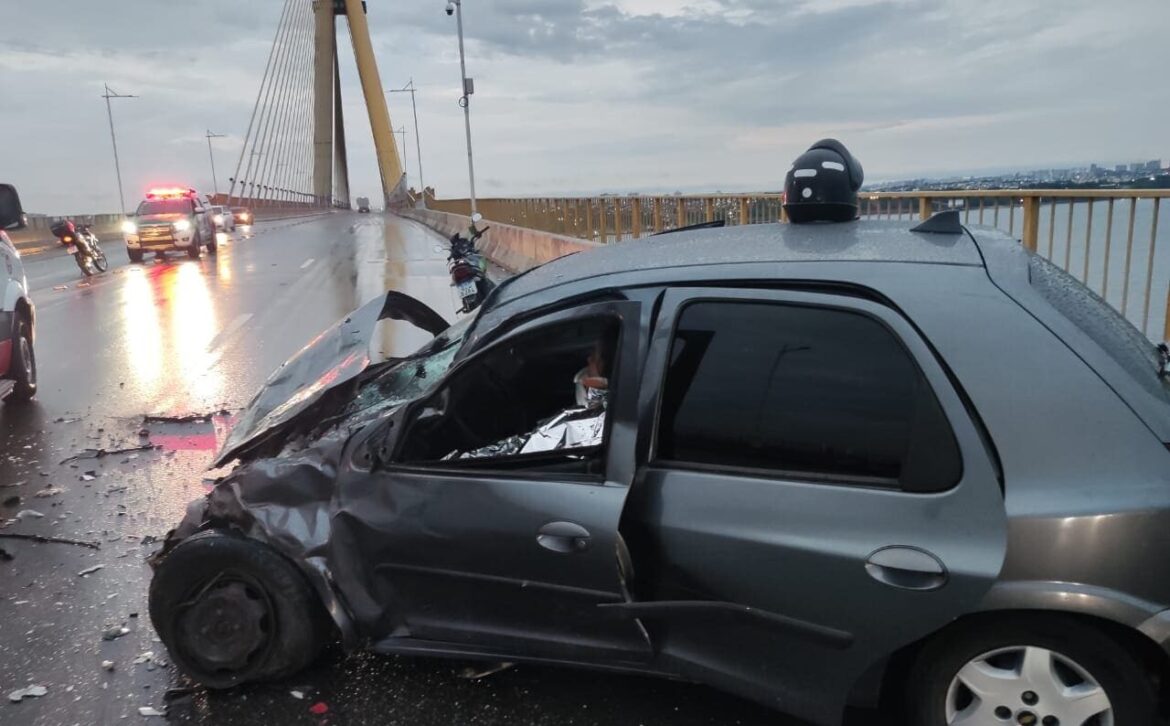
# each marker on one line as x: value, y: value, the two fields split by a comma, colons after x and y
x: 210, y: 155
x: 455, y: 7
x: 402, y: 131
x: 113, y: 137
x: 409, y: 88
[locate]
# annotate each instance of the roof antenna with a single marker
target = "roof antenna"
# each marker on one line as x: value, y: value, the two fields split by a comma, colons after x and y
x: 945, y: 222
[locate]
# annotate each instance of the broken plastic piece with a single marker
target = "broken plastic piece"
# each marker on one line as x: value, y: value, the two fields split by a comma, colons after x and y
x: 149, y: 711
x: 28, y: 692
x: 90, y: 570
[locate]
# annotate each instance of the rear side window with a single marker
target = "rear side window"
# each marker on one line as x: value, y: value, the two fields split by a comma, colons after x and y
x: 1100, y: 322
x: 813, y: 393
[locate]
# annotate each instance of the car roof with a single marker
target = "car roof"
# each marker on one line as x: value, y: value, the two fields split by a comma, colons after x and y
x: 886, y: 241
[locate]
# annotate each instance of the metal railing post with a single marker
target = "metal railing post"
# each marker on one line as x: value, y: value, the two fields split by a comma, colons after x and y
x: 603, y: 236
x: 636, y: 222
x: 743, y: 211
x: 709, y: 208
x: 657, y: 215
x: 682, y: 212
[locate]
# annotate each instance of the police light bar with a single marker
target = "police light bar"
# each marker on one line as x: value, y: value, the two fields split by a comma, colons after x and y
x: 170, y: 193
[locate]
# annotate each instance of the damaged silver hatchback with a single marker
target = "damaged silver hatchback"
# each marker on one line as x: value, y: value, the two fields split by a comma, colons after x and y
x: 812, y: 465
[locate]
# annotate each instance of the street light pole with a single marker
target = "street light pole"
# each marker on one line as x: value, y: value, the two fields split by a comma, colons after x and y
x: 465, y: 100
x: 402, y: 132
x: 114, y: 138
x: 409, y: 87
x: 210, y: 155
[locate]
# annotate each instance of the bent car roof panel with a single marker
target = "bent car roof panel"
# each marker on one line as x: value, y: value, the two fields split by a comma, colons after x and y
x: 872, y: 241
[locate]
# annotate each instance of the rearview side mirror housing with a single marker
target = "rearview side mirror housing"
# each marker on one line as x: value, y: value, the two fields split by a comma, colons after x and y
x: 11, y: 213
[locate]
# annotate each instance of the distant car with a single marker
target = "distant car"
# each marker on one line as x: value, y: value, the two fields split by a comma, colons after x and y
x: 811, y: 464
x: 242, y: 215
x: 18, y: 361
x: 363, y: 205
x: 169, y: 220
x: 223, y: 218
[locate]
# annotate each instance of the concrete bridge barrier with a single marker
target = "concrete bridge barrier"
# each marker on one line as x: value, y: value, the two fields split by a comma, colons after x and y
x: 515, y: 249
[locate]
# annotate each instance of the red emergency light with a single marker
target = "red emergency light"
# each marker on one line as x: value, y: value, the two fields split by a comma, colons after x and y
x: 170, y: 193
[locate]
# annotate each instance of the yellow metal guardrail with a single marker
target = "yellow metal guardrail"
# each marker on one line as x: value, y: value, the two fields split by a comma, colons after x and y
x: 1107, y: 238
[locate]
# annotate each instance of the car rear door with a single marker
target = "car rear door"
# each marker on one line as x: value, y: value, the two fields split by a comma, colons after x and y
x: 499, y: 554
x: 817, y: 495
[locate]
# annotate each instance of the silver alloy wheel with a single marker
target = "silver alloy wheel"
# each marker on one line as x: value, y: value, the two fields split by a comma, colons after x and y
x: 1026, y: 685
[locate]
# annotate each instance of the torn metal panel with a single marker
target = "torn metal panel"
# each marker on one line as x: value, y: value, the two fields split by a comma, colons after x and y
x: 336, y: 357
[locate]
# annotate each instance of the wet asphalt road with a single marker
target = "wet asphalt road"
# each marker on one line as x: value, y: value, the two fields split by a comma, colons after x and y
x: 181, y: 337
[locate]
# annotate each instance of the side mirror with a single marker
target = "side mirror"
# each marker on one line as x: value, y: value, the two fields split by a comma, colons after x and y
x: 11, y: 214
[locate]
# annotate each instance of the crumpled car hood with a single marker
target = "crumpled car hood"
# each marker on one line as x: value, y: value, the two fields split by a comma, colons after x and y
x: 334, y: 358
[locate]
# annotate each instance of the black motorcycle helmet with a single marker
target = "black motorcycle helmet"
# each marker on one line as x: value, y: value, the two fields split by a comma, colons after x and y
x: 822, y: 184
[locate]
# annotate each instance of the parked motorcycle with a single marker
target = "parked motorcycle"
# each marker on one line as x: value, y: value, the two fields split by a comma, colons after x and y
x: 468, y: 268
x: 83, y: 244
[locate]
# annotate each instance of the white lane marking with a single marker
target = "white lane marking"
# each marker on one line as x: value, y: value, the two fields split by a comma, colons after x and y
x: 239, y: 322
x: 308, y: 262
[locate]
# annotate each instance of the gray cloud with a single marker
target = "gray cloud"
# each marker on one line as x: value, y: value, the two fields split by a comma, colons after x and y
x: 590, y: 95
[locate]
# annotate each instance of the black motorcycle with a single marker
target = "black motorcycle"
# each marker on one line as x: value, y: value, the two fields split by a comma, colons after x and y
x: 468, y: 268
x: 83, y: 244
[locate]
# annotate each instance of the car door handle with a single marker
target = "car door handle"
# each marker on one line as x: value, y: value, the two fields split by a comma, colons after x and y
x: 906, y: 568
x: 563, y: 537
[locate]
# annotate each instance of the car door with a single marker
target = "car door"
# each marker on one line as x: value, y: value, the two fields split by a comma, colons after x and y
x: 816, y: 494
x: 505, y: 553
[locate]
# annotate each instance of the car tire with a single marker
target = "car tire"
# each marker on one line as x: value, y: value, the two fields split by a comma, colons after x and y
x: 277, y: 624
x: 23, y: 365
x: 134, y: 255
x: 1071, y: 652
x: 195, y: 251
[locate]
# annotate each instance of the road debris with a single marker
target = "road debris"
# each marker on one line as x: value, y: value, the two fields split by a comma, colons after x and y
x: 5, y: 555
x: 10, y: 485
x: 190, y: 418
x: 472, y: 673
x: 28, y: 514
x: 51, y: 540
x: 49, y: 491
x: 114, y: 632
x: 102, y: 453
x: 108, y: 665
x: 149, y: 711
x: 89, y: 476
x: 144, y: 658
x: 299, y: 695
x: 90, y: 570
x: 29, y: 692
x: 12, y: 501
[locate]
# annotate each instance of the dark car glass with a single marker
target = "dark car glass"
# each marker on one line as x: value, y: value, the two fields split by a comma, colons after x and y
x: 810, y: 391
x: 164, y: 206
x: 1104, y: 325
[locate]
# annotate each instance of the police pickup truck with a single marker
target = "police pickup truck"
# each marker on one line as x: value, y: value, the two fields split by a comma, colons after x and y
x: 170, y: 220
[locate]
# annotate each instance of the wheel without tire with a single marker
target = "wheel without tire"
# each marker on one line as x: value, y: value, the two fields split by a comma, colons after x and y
x: 23, y: 368
x: 232, y: 610
x: 1044, y: 670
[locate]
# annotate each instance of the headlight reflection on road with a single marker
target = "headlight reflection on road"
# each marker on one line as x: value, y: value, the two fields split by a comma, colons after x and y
x: 144, y: 353
x: 193, y: 327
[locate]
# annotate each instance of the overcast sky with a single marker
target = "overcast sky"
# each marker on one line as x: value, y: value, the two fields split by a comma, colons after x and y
x: 598, y: 95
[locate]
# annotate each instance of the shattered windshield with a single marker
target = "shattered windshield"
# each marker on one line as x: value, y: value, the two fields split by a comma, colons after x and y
x: 414, y: 376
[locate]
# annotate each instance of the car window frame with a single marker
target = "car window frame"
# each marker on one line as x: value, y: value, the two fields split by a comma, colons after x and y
x: 621, y: 413
x: 675, y: 301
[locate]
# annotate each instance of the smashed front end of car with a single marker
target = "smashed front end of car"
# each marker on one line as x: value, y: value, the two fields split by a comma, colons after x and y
x: 290, y: 439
